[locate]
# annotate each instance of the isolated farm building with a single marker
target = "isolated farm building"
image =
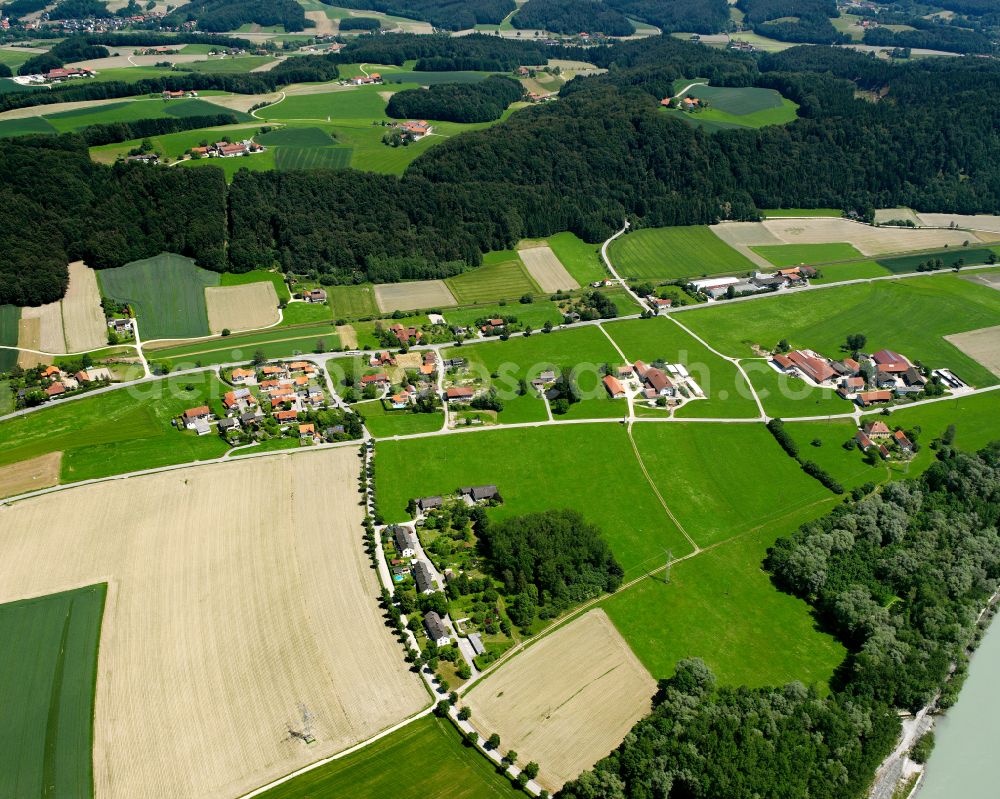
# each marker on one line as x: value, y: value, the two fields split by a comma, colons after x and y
x: 240, y: 376
x: 121, y: 326
x: 55, y: 389
x: 523, y: 71
x: 194, y: 415
x: 658, y: 381
x: 878, y: 430
x: 170, y: 95
x: 63, y: 73
x: 903, y: 442
x: 713, y: 282
x: 403, y: 540
x: 314, y: 295
x: 660, y: 304
x: 436, y: 630
x: 143, y: 158
x: 764, y: 281
x: 665, y: 102
x: 480, y: 493
x: 889, y: 361
x: 417, y: 128
x: 614, y: 388
x: 866, y: 398
x: 459, y: 394
x: 423, y: 579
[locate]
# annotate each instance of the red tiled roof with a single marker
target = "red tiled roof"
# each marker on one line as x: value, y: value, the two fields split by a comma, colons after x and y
x: 815, y: 368
x: 614, y: 388
x: 191, y: 413
x: 459, y: 392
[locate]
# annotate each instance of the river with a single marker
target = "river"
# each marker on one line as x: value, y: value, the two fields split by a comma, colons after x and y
x: 964, y: 763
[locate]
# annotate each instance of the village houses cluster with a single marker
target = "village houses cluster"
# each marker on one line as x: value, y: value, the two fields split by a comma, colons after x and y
x: 877, y: 378
x: 275, y: 395
x: 409, y: 390
x: 45, y: 383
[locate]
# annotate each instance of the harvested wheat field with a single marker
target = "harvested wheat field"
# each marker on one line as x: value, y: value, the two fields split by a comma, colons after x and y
x: 43, y: 327
x: 546, y: 269
x: 981, y: 345
x: 980, y: 222
x: 868, y: 240
x: 239, y: 593
x: 412, y: 296
x: 883, y: 215
x: 568, y: 700
x: 82, y: 315
x: 30, y: 475
x: 246, y: 307
x: 348, y: 336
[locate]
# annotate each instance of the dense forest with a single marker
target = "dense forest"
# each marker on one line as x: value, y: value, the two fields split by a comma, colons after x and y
x: 79, y: 9
x: 572, y: 16
x: 900, y: 577
x: 794, y: 20
x: 699, y: 16
x: 934, y: 37
x: 227, y: 15
x: 445, y: 53
x: 706, y: 742
x: 59, y: 207
x: 555, y: 559
x: 457, y: 102
x: 452, y: 15
x: 360, y: 24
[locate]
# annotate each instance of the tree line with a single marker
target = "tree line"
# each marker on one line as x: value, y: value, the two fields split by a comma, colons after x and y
x: 483, y: 101
x: 808, y: 20
x: 572, y: 16
x: 452, y: 15
x: 110, y: 132
x: 699, y: 16
x: 227, y: 15
x: 442, y: 53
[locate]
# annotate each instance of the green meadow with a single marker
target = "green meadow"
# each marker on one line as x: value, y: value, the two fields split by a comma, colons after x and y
x: 352, y: 302
x: 535, y: 314
x: 589, y: 467
x: 277, y: 342
x: 117, y: 432
x: 303, y: 313
x: 957, y: 256
x: 794, y: 254
x: 659, y: 338
x: 9, y: 316
x: 721, y: 606
x: 909, y: 316
x: 48, y: 670
x: 787, y: 396
x: 383, y: 422
x: 501, y: 277
x: 167, y: 293
x: 438, y: 766
x: 674, y: 252
x: 582, y: 260
x: 723, y: 479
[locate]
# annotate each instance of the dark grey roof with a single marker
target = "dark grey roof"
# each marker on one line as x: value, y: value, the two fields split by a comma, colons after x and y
x: 228, y: 424
x: 422, y: 575
x: 435, y: 626
x: 478, y: 493
x: 426, y: 503
x: 401, y: 537
x: 249, y: 416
